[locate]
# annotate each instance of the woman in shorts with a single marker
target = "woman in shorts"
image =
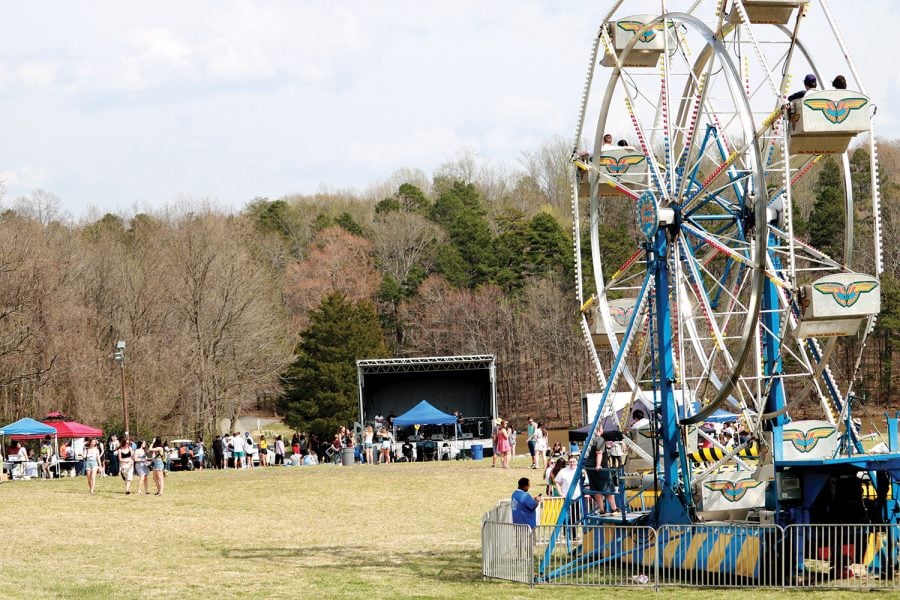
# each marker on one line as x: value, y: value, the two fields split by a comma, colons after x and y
x: 387, y: 443
x: 158, y: 465
x: 92, y: 464
x: 140, y: 466
x: 126, y: 464
x: 368, y: 444
x: 540, y: 445
x: 263, y: 451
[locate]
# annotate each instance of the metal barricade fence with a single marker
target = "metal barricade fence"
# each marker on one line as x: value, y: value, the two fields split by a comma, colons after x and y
x: 502, y: 513
x: 857, y: 557
x: 507, y: 551
x: 719, y: 555
x: 602, y: 555
x: 852, y: 557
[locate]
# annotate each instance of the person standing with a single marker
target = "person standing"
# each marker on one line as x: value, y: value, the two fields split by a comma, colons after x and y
x: 566, y: 479
x: 279, y: 450
x: 200, y: 453
x: 524, y: 506
x: 46, y: 458
x: 237, y: 450
x: 540, y: 445
x: 553, y: 486
x: 529, y: 439
x: 599, y: 478
x: 503, y: 447
x: 92, y: 464
x: 495, y: 427
x: 140, y: 466
x: 387, y: 445
x: 218, y: 453
x: 368, y: 437
x: 112, y: 463
x: 248, y: 449
x: 157, y: 465
x: 615, y: 450
x: 263, y: 451
x: 126, y: 464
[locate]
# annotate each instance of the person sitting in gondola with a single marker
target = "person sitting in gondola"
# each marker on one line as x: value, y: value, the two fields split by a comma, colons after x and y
x: 809, y: 83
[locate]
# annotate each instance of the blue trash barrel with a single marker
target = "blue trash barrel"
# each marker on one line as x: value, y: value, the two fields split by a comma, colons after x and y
x: 477, y: 451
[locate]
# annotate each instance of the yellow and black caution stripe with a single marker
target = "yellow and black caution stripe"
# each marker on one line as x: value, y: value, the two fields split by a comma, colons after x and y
x: 714, y: 454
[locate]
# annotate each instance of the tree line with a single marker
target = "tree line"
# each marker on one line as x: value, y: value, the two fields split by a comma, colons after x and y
x: 269, y: 307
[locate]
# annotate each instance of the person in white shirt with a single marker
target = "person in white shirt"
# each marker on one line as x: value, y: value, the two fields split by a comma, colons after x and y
x: 566, y: 477
x: 607, y: 142
x: 237, y: 444
x: 540, y: 444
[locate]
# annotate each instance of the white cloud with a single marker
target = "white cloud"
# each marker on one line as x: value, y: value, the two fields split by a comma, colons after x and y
x: 38, y: 74
x: 125, y: 102
x: 8, y: 178
x: 424, y: 145
x: 161, y: 45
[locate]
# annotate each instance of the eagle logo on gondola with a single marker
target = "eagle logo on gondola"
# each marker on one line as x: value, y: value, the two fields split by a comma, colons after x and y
x: 620, y: 165
x: 845, y: 295
x: 836, y: 111
x: 805, y: 442
x: 647, y: 36
x: 621, y: 314
x: 733, y: 491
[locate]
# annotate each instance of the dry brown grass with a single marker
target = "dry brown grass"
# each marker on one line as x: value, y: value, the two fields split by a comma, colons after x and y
x: 398, y: 531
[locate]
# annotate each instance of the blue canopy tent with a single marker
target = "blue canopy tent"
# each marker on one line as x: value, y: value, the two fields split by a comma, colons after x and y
x: 30, y: 427
x: 424, y: 413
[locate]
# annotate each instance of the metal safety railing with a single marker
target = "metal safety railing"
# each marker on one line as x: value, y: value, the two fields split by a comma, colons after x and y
x: 719, y: 555
x: 609, y: 555
x: 856, y: 557
x: 507, y: 551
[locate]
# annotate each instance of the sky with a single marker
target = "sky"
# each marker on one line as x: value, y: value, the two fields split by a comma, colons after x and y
x: 124, y: 106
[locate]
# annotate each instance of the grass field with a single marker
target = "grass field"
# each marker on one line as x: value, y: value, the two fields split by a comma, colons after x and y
x: 396, y: 531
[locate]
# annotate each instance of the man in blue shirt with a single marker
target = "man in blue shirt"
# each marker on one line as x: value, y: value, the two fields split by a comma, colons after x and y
x: 523, y: 506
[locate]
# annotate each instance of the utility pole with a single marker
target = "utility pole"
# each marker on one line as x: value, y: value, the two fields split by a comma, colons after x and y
x: 119, y: 357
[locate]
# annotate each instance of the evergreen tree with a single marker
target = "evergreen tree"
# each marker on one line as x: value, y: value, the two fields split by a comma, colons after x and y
x: 346, y: 221
x: 508, y: 256
x: 466, y: 260
x: 825, y: 225
x: 321, y: 387
x: 549, y: 247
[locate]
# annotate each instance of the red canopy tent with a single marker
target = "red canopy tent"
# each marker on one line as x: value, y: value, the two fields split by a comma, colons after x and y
x: 65, y: 428
x: 71, y: 429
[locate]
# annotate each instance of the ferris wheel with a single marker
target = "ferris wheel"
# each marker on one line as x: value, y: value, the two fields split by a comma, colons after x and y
x: 689, y: 147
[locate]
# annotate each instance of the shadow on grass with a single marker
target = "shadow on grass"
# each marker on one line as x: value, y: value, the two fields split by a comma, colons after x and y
x: 457, y: 566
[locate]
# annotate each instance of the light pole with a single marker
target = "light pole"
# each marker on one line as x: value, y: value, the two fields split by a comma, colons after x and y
x: 119, y: 357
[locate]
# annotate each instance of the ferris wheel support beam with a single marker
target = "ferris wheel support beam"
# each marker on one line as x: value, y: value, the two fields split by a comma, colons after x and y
x: 671, y: 507
x: 773, y: 364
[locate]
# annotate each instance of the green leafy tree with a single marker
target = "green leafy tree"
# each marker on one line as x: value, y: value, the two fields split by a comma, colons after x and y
x: 320, y: 387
